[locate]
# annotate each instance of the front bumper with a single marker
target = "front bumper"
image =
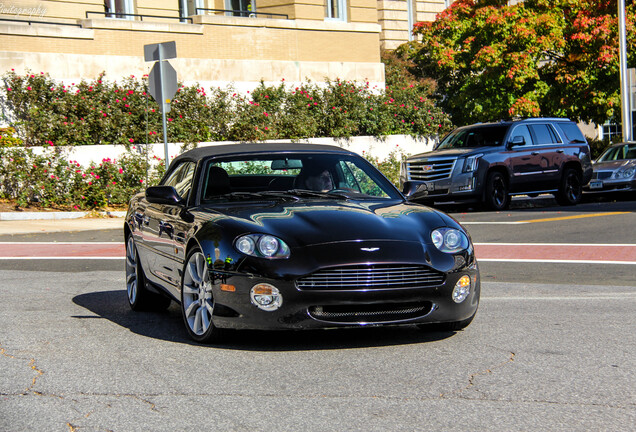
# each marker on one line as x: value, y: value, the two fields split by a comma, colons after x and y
x: 605, y: 186
x: 307, y: 309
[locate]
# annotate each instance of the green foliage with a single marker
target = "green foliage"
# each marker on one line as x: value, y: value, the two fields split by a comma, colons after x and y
x: 7, y: 139
x: 538, y: 57
x: 49, y: 180
x: 390, y: 166
x: 47, y: 113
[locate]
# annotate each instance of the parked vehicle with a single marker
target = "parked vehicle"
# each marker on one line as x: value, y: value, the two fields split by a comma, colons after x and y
x: 614, y: 170
x: 287, y: 236
x: 490, y: 162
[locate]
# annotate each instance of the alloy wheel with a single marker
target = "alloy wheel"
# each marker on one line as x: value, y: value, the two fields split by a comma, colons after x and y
x: 132, y: 278
x: 198, y: 303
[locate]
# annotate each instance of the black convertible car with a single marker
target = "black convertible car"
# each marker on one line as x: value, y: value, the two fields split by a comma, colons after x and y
x: 287, y: 236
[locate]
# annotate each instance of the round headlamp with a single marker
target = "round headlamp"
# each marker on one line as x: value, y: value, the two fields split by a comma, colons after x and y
x: 449, y: 240
x: 262, y: 246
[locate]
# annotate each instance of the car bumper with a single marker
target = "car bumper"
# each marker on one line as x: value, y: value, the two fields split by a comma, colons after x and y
x: 459, y: 188
x: 307, y: 309
x: 604, y: 186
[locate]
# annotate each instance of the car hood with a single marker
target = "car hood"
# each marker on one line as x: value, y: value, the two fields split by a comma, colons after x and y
x: 313, y: 222
x: 448, y: 153
x: 613, y: 165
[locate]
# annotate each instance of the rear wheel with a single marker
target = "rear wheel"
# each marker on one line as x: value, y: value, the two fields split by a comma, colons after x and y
x: 497, y: 197
x: 571, y: 189
x: 197, y: 300
x: 139, y: 298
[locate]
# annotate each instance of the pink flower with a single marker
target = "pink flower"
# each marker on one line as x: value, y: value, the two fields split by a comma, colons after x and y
x: 131, y: 140
x: 29, y: 88
x: 141, y: 180
x: 121, y: 170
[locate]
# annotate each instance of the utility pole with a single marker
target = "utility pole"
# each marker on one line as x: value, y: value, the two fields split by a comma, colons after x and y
x: 626, y: 110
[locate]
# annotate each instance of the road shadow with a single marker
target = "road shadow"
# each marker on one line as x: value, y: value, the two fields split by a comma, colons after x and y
x: 168, y: 325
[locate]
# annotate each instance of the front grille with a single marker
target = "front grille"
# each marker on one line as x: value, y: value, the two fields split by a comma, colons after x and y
x: 601, y: 175
x: 429, y: 170
x: 371, y: 277
x: 373, y: 313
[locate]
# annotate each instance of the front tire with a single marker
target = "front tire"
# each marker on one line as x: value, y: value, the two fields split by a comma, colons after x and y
x: 497, y: 197
x: 571, y: 189
x: 197, y: 300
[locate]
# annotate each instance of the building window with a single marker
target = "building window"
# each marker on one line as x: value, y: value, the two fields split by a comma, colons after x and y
x: 335, y: 10
x: 119, y: 9
x: 239, y: 7
x: 609, y: 130
x: 189, y: 7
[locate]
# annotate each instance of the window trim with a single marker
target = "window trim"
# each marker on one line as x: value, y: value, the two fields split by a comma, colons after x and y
x: 342, y: 8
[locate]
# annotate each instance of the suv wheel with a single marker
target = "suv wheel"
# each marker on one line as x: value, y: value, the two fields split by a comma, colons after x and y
x: 570, y: 190
x: 497, y: 197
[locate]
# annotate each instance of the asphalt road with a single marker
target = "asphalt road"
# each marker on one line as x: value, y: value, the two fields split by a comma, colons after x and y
x: 552, y: 348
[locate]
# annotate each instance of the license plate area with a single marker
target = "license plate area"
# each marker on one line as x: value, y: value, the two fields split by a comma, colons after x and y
x: 596, y: 184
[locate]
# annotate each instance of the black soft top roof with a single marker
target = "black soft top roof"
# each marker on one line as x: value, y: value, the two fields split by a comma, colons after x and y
x: 255, y: 148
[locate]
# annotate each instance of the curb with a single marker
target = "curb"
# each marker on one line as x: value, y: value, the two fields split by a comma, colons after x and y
x: 20, y: 216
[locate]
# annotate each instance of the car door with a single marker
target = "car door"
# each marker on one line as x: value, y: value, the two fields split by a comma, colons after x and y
x: 549, y: 149
x: 165, y: 229
x: 523, y: 160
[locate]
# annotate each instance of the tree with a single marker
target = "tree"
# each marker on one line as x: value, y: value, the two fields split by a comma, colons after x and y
x: 539, y: 57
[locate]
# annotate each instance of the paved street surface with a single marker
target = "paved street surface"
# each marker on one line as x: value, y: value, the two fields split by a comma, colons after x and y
x: 552, y: 346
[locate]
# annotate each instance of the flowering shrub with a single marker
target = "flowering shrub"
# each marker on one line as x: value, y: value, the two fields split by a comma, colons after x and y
x: 7, y: 139
x: 49, y: 113
x: 390, y: 166
x: 50, y: 180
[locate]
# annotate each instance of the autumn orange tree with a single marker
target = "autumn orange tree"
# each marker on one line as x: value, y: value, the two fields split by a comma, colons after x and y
x: 538, y: 57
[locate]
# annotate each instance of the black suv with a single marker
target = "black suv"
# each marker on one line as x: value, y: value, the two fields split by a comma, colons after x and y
x: 489, y: 162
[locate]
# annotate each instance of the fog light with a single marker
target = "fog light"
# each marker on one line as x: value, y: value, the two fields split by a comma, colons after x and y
x: 462, y: 289
x: 266, y: 297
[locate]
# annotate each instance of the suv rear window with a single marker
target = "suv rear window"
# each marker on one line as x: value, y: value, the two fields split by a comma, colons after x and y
x: 571, y: 132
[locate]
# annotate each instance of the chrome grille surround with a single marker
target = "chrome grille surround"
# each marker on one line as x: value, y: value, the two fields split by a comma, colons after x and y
x: 371, y: 277
x: 430, y: 170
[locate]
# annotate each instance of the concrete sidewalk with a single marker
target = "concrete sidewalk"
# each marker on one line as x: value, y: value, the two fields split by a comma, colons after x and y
x: 39, y: 222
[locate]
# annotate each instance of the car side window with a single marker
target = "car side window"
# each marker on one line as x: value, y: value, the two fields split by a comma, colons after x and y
x: 357, y: 180
x: 522, y: 131
x: 181, y: 179
x: 544, y: 134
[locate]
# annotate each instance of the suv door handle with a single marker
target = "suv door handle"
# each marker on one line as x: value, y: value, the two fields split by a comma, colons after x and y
x: 534, y: 153
x: 559, y: 151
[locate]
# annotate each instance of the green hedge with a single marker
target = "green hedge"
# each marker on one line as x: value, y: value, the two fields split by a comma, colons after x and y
x: 46, y: 112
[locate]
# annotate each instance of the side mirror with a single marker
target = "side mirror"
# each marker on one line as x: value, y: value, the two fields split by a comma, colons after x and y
x: 414, y: 190
x: 163, y: 195
x: 519, y: 140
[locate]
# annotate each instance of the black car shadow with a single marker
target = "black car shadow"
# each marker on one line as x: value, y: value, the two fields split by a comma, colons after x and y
x: 168, y: 325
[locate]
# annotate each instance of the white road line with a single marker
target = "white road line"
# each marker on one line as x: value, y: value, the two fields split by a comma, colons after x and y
x: 521, y: 260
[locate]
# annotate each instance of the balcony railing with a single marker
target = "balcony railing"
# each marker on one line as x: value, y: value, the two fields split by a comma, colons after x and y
x: 30, y: 21
x: 120, y: 15
x: 245, y: 13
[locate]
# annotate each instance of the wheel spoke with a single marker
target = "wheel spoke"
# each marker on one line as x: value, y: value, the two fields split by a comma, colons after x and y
x: 190, y: 309
x: 197, y: 321
x: 192, y: 271
x: 189, y: 289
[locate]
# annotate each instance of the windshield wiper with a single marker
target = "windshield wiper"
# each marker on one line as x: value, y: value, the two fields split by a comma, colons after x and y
x: 317, y: 194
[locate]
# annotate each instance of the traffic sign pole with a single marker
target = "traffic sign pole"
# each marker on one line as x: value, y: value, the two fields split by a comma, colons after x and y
x: 162, y: 82
x: 162, y: 105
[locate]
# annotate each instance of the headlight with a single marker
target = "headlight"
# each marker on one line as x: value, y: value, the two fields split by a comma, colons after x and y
x: 262, y: 246
x: 625, y: 173
x: 470, y: 164
x: 449, y: 240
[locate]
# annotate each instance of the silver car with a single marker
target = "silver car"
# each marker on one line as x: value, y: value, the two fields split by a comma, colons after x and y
x: 614, y: 170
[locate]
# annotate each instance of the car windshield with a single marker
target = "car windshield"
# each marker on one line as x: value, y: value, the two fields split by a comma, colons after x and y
x: 619, y: 152
x: 474, y: 136
x: 294, y: 176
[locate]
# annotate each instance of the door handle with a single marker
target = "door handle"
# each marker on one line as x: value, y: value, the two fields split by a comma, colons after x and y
x: 534, y: 153
x: 559, y: 151
x: 165, y: 227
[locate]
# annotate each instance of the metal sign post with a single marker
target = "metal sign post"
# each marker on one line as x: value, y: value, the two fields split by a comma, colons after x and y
x: 162, y: 81
x: 622, y: 54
